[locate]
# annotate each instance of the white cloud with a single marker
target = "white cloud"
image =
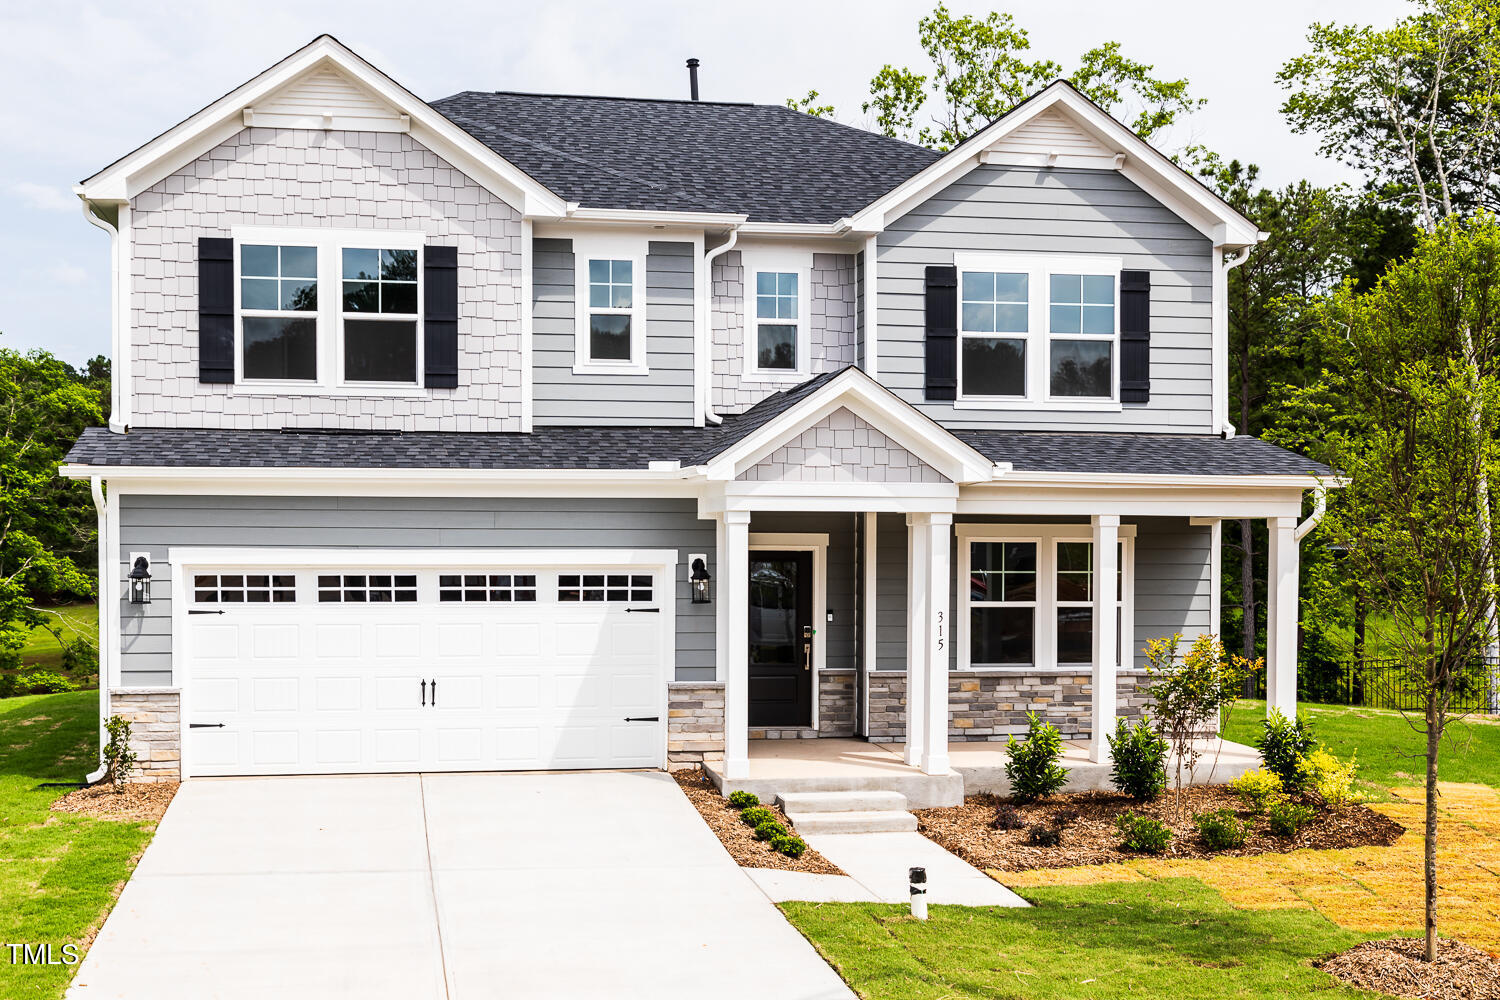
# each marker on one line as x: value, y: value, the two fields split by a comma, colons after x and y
x: 45, y: 196
x: 67, y: 274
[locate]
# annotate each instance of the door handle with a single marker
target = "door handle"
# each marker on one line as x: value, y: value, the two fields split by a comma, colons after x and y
x: 434, y: 691
x: 424, y: 693
x: 807, y: 656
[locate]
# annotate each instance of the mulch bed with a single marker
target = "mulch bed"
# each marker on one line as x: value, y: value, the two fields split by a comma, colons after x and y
x: 737, y: 838
x: 1396, y: 966
x: 138, y: 803
x: 1091, y: 838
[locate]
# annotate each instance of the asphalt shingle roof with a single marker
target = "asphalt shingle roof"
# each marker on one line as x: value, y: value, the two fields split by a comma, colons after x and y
x: 1147, y: 454
x: 771, y: 163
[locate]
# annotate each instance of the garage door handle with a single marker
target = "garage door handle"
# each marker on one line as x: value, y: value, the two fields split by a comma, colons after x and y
x: 434, y: 690
x: 424, y: 694
x: 644, y: 611
x: 642, y: 718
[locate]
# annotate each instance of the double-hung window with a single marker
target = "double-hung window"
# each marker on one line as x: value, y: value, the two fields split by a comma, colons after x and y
x: 1028, y: 600
x: 611, y: 334
x: 1036, y: 330
x: 329, y: 309
x: 776, y: 314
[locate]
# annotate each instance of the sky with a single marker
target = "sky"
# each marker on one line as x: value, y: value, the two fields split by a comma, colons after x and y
x: 90, y: 82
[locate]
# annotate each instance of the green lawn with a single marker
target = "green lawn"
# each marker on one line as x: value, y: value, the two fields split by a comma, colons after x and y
x: 43, y: 652
x: 58, y: 871
x: 1172, y: 938
x: 1390, y: 751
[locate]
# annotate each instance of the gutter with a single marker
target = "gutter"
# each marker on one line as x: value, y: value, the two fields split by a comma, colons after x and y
x: 705, y: 346
x: 96, y: 486
x: 1230, y: 263
x: 119, y: 372
x: 1320, y: 507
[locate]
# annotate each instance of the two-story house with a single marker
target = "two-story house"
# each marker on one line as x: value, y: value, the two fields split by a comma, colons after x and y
x: 516, y: 431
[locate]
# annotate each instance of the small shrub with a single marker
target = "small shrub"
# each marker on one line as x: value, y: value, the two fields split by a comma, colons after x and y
x: 1330, y: 777
x: 1066, y: 817
x: 1007, y: 817
x: 7, y: 685
x: 743, y: 800
x: 1282, y: 746
x: 119, y: 759
x: 1142, y: 834
x: 756, y: 815
x: 1257, y: 788
x: 790, y: 844
x: 770, y: 830
x: 1033, y: 765
x: 1287, y: 818
x: 44, y: 682
x: 1038, y: 835
x: 1140, y: 760
x: 1220, y: 830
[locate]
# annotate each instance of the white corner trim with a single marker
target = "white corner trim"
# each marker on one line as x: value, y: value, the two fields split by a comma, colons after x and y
x: 528, y: 313
x: 872, y: 312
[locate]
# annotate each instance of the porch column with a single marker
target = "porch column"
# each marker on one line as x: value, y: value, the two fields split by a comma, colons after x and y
x: 1281, y: 616
x: 916, y: 645
x: 936, y: 530
x: 734, y: 598
x: 1106, y: 641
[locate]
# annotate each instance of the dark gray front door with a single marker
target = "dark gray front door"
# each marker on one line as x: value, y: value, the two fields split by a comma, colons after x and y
x: 781, y: 654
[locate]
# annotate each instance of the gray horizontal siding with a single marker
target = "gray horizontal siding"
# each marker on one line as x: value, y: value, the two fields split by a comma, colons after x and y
x: 1028, y: 209
x: 153, y: 524
x: 890, y: 592
x: 662, y: 397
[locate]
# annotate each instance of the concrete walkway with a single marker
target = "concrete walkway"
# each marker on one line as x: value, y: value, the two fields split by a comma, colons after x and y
x: 455, y: 886
x: 879, y: 862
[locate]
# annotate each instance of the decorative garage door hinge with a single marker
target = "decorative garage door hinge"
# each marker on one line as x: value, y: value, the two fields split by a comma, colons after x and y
x: 204, y: 611
x: 642, y: 718
x: 205, y: 725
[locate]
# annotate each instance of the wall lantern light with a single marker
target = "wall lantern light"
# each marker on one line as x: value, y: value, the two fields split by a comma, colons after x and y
x: 140, y: 581
x: 699, y: 579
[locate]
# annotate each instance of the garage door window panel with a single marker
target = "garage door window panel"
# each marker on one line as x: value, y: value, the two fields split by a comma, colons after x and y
x: 244, y: 588
x: 367, y: 588
x: 604, y: 587
x: 486, y: 587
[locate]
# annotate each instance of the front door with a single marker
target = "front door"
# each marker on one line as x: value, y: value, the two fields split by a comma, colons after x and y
x: 781, y: 638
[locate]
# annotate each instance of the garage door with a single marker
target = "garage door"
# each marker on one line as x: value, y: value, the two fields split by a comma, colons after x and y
x: 335, y: 669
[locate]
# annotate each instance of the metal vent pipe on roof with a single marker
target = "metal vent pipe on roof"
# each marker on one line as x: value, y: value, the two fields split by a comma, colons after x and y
x: 692, y: 65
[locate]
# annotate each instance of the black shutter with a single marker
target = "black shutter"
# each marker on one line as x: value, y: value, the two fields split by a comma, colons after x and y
x: 440, y: 317
x: 215, y: 309
x: 942, y: 332
x: 1135, y: 336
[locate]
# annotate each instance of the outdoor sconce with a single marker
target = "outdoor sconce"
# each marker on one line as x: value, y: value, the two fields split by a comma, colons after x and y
x: 140, y: 581
x: 699, y: 579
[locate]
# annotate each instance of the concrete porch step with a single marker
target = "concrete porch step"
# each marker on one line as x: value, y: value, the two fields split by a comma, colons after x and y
x: 870, y: 800
x: 854, y: 821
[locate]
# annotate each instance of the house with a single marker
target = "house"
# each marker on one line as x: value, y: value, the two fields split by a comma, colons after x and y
x: 516, y: 431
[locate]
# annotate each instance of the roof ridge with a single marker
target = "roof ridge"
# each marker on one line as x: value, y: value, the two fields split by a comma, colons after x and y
x: 612, y: 97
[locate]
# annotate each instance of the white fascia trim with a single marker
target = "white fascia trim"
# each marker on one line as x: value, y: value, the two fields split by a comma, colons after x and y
x: 179, y: 557
x: 1086, y: 480
x: 1143, y: 164
x: 138, y: 170
x: 877, y: 405
x: 651, y: 217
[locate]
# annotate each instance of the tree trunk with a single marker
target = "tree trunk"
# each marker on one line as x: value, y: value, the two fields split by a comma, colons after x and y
x: 1429, y: 847
x: 1247, y: 598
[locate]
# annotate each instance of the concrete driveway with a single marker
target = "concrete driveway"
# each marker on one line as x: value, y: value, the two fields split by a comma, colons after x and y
x: 450, y: 886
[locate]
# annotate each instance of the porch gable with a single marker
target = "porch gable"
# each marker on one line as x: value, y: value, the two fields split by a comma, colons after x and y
x: 843, y: 447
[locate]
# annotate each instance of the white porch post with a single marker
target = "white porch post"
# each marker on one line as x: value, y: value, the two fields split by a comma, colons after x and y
x: 1106, y: 641
x: 938, y: 530
x: 916, y: 640
x: 734, y: 596
x: 1281, y: 616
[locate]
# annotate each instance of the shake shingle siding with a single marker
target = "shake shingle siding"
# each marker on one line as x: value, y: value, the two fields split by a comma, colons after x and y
x: 1057, y: 211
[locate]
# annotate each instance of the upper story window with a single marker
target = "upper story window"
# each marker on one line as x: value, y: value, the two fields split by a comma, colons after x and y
x: 325, y: 309
x: 1037, y: 330
x: 611, y: 335
x: 776, y: 320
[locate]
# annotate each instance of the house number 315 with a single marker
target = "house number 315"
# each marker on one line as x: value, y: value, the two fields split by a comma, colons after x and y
x: 940, y: 637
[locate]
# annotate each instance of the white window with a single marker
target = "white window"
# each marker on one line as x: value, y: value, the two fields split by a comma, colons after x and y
x: 611, y: 294
x: 777, y: 328
x: 1038, y: 330
x: 321, y: 310
x: 1027, y: 592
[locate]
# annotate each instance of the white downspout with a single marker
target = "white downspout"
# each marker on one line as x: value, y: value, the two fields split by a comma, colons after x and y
x: 96, y: 486
x: 1320, y: 507
x: 1230, y: 263
x: 116, y: 412
x: 705, y: 346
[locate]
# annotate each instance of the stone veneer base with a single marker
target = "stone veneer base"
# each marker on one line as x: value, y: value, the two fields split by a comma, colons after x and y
x: 986, y: 706
x: 155, y: 730
x: 695, y: 723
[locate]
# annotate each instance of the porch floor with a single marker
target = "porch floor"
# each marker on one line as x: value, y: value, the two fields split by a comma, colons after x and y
x: 841, y: 764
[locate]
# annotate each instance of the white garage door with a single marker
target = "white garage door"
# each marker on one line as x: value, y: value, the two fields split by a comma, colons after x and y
x: 331, y: 669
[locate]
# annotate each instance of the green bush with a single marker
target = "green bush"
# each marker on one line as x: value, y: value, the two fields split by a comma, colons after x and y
x: 1220, y: 830
x: 80, y: 657
x: 755, y: 816
x: 789, y: 844
x: 1038, y: 835
x: 1139, y: 753
x: 43, y: 682
x: 1330, y: 777
x: 769, y: 830
x: 1033, y: 763
x: 1282, y: 746
x: 1142, y: 834
x: 7, y: 685
x: 743, y: 800
x: 1007, y: 817
x: 1287, y: 818
x: 119, y: 759
x: 1257, y: 788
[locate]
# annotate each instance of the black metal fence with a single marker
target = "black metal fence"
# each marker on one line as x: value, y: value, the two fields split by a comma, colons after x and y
x: 1384, y: 683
